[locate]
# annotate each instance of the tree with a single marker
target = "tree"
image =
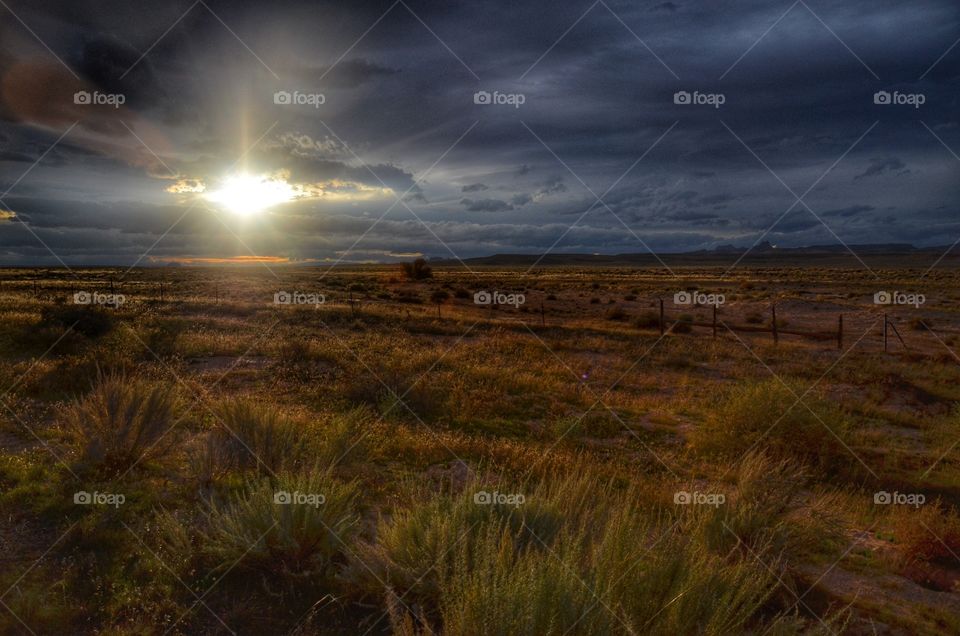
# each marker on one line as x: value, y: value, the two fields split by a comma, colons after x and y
x: 417, y: 270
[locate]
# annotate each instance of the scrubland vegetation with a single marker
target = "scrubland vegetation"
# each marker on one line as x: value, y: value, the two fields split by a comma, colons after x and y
x: 392, y: 459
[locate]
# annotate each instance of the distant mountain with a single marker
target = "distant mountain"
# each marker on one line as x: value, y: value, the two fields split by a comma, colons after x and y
x: 764, y: 252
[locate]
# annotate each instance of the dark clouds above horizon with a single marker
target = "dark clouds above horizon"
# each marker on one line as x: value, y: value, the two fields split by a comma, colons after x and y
x: 398, y: 119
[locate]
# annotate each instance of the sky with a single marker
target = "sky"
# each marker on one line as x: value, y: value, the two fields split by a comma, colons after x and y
x: 212, y: 131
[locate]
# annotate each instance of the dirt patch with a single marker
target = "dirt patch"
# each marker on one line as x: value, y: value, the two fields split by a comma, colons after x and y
x: 222, y: 364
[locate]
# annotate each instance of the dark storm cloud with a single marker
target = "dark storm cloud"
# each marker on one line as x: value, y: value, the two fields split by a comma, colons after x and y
x: 347, y: 73
x: 664, y: 6
x: 485, y: 205
x: 880, y: 166
x: 397, y: 100
x: 853, y: 210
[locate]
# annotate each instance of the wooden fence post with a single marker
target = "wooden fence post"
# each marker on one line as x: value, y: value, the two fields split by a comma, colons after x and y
x: 776, y: 336
x: 661, y: 317
x: 543, y: 315
x: 884, y: 332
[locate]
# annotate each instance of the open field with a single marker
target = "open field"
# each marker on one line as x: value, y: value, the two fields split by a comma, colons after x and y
x: 386, y: 455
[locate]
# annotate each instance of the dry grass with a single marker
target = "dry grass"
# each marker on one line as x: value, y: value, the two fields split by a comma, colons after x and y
x: 219, y: 399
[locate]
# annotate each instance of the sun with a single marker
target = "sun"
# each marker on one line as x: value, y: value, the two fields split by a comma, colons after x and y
x: 246, y: 194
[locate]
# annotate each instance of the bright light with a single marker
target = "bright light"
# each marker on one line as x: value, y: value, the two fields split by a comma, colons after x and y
x: 246, y: 194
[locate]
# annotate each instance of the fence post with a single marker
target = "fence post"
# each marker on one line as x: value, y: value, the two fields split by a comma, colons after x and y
x: 840, y: 333
x: 884, y: 332
x: 776, y: 336
x: 543, y: 316
x: 661, y: 317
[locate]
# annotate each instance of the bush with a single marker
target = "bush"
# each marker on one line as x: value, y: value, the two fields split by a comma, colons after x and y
x: 249, y: 436
x: 122, y: 422
x: 292, y: 541
x: 417, y: 270
x: 770, y: 512
x: 764, y: 415
x: 90, y: 320
x: 647, y: 320
x: 616, y: 314
x: 563, y: 570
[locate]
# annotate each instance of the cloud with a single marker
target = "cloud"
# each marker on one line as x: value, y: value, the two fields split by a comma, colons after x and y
x: 849, y: 211
x: 878, y: 167
x: 349, y: 73
x: 553, y: 185
x: 486, y: 205
x: 474, y: 187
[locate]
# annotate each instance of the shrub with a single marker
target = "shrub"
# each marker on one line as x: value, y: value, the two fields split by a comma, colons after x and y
x: 291, y: 541
x: 769, y: 511
x: 90, y: 320
x: 617, y: 314
x: 249, y: 436
x: 592, y: 574
x: 122, y: 422
x: 647, y: 320
x: 419, y: 546
x: 417, y: 270
x: 766, y: 414
x: 928, y: 534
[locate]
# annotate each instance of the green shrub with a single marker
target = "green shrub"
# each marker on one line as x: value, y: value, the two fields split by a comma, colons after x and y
x: 122, y: 422
x: 617, y: 572
x: 290, y: 541
x: 766, y: 415
x: 251, y: 436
